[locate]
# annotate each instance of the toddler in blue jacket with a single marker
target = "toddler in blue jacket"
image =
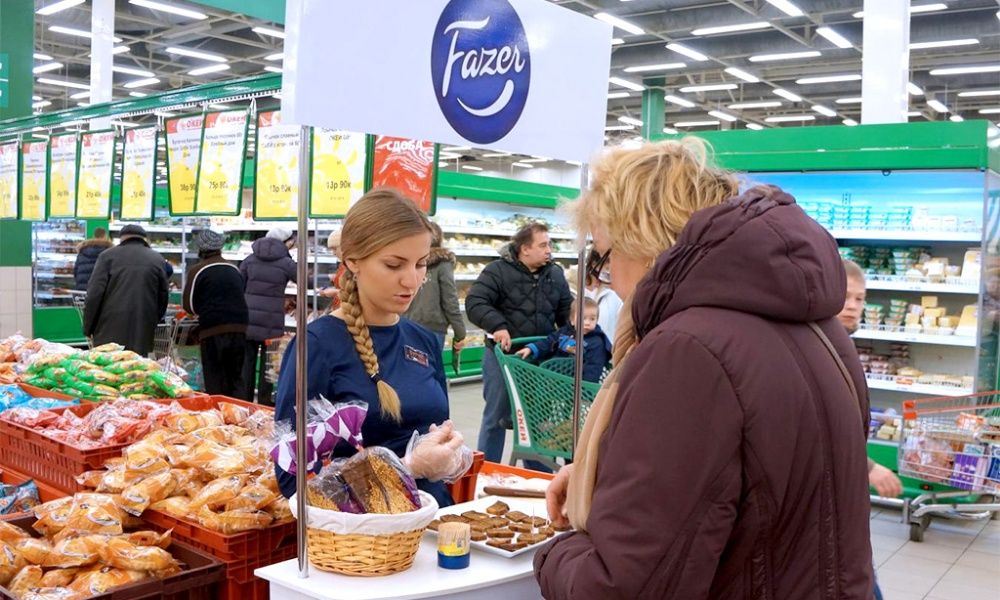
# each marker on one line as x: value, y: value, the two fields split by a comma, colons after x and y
x: 561, y: 343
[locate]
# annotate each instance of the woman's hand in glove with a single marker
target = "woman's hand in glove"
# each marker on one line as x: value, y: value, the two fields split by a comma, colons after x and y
x: 439, y: 455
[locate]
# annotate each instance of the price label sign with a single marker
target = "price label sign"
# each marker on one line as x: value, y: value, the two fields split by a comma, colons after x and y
x: 139, y: 174
x: 97, y: 157
x: 220, y: 171
x: 276, y: 178
x: 409, y: 166
x: 183, y: 153
x: 34, y: 179
x: 64, y: 157
x: 337, y: 173
x: 9, y: 180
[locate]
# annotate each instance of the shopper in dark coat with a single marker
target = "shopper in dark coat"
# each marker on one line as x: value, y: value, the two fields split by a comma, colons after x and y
x: 127, y: 293
x: 266, y: 273
x: 436, y: 304
x: 214, y: 294
x: 725, y: 455
x: 86, y: 257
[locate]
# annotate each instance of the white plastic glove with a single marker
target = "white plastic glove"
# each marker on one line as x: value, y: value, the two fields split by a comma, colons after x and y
x: 440, y: 455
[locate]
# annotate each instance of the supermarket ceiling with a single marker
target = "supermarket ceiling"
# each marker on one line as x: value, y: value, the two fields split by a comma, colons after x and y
x: 168, y: 44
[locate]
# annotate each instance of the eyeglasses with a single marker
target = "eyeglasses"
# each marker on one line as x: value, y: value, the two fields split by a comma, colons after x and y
x: 599, y: 270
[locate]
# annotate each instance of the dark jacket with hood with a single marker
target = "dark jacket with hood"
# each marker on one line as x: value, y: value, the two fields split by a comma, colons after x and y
x: 266, y: 274
x: 735, y: 423
x: 213, y: 293
x: 86, y: 259
x: 509, y: 296
x: 436, y: 304
x: 126, y: 296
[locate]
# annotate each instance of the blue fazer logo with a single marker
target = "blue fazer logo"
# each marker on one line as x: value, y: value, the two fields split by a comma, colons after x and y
x: 481, y: 68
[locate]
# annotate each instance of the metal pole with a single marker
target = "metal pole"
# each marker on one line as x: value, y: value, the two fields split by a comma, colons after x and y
x: 581, y: 290
x: 301, y: 383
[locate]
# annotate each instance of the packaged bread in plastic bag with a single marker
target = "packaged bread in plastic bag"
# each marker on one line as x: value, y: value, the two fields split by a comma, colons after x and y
x: 11, y: 562
x: 58, y: 578
x: 137, y: 497
x: 34, y: 550
x: 27, y: 578
x: 12, y: 533
x: 121, y: 553
x: 215, y: 494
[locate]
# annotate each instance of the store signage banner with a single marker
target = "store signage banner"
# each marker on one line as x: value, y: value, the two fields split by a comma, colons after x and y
x: 139, y: 173
x: 34, y: 176
x: 183, y: 151
x: 516, y: 75
x: 220, y: 171
x: 338, y: 172
x: 63, y: 158
x: 408, y: 166
x: 9, y: 180
x: 97, y: 157
x: 276, y: 175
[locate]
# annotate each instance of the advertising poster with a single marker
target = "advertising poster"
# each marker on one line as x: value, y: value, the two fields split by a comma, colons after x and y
x: 338, y: 172
x: 34, y: 177
x: 9, y: 179
x: 276, y: 181
x: 183, y: 151
x: 97, y: 157
x: 63, y: 159
x: 220, y: 171
x: 407, y: 165
x: 139, y: 174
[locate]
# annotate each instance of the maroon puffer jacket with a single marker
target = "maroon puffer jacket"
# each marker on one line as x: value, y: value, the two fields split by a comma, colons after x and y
x: 733, y: 466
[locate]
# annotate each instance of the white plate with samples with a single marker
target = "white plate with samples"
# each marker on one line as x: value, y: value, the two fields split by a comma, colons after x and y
x: 521, y: 528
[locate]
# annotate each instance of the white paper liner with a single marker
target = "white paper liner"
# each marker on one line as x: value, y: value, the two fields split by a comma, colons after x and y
x: 370, y: 524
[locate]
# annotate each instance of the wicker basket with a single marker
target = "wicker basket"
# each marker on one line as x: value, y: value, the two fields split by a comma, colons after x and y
x: 366, y: 545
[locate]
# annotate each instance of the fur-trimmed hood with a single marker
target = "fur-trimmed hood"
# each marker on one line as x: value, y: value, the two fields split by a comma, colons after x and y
x: 440, y: 255
x: 95, y: 243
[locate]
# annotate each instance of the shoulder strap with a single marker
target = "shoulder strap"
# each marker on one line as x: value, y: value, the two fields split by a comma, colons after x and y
x: 836, y: 357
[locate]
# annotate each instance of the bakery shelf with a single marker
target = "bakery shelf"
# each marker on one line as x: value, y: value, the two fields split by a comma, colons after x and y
x: 915, y: 338
x: 917, y: 388
x: 499, y: 232
x: 466, y: 276
x: 907, y: 235
x: 57, y: 255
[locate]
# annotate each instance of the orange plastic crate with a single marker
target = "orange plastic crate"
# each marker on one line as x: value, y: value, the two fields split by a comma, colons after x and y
x: 240, y: 583
x: 244, y: 545
x: 492, y: 467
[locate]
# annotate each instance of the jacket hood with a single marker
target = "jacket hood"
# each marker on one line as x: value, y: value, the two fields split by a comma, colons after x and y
x: 270, y: 249
x: 440, y: 255
x: 758, y: 253
x: 95, y: 243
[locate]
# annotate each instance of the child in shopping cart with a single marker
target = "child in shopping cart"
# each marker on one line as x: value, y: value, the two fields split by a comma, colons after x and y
x: 562, y: 342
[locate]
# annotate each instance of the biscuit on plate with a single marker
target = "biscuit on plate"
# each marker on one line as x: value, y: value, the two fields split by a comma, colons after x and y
x: 498, y: 508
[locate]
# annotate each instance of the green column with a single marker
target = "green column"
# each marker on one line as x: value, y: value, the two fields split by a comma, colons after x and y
x: 17, y: 33
x: 653, y: 111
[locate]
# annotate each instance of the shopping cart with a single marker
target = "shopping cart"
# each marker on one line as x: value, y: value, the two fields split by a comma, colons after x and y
x: 79, y: 299
x: 542, y: 406
x: 954, y: 442
x: 175, y: 346
x: 274, y: 351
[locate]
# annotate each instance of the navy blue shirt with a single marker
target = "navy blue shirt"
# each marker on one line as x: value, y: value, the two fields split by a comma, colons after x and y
x: 409, y: 358
x: 596, y: 350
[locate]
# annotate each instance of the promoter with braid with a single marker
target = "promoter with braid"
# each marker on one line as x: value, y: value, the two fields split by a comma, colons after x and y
x: 365, y: 351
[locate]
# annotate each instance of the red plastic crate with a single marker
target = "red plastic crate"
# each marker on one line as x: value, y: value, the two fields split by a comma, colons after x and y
x: 464, y: 490
x: 244, y: 545
x: 240, y: 583
x: 492, y: 467
x: 37, y: 392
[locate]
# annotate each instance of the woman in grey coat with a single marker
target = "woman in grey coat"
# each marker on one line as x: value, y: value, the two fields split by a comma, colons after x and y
x: 436, y: 304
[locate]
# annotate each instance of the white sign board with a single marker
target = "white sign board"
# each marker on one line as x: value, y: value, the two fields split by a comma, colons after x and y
x: 516, y: 75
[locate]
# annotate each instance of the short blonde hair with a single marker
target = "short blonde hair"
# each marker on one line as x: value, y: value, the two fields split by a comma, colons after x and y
x: 645, y: 196
x: 853, y: 271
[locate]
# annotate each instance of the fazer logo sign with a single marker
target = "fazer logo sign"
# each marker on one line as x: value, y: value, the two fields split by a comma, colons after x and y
x: 481, y: 68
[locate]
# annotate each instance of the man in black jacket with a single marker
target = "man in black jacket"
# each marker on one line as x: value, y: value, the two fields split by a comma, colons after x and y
x: 521, y: 294
x: 86, y: 258
x: 214, y: 293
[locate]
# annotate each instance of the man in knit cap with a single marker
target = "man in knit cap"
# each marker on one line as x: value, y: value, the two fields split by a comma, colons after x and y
x: 214, y: 294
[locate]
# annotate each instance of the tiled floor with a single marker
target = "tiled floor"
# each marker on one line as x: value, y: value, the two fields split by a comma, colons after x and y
x: 958, y: 560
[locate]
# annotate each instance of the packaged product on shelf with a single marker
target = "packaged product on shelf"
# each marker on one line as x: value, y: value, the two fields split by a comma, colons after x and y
x: 18, y: 498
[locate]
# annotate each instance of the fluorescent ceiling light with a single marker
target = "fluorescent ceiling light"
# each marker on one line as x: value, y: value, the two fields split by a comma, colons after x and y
x: 854, y: 100
x: 271, y: 69
x: 790, y: 119
x: 850, y: 122
x: 922, y: 8
x: 142, y: 82
x: 787, y: 95
x: 754, y: 126
x: 914, y: 113
x: 625, y: 83
x: 536, y: 159
x: 990, y: 111
x: 83, y: 103
x: 617, y: 41
x: 169, y: 8
x: 472, y: 168
x: 209, y: 69
x: 275, y: 57
x: 914, y: 89
x: 746, y: 105
x: 269, y: 31
x: 522, y: 165
x: 77, y: 32
x: 124, y: 123
x: 742, y: 75
x: 835, y: 38
x: 40, y: 56
x: 718, y: 114
x: 695, y: 123
x: 41, y: 104
x: 826, y: 112
x: 442, y: 164
x: 786, y: 7
x: 132, y: 71
x: 979, y: 93
x: 196, y: 54
x: 731, y: 28
x: 944, y: 44
x: 52, y: 66
x: 659, y: 67
x: 55, y: 7
x: 449, y: 155
x: 966, y: 70
x: 137, y: 94
x: 670, y: 130
x: 456, y: 148
x: 618, y: 95
x: 496, y: 154
x: 785, y: 56
x: 827, y: 79
x: 937, y: 105
x: 69, y: 84
x: 630, y: 121
x: 36, y: 98
x: 678, y: 101
x: 619, y: 23
x: 618, y: 128
x: 688, y: 52
x: 119, y: 50
x: 715, y: 87
x: 80, y: 96
x: 956, y: 118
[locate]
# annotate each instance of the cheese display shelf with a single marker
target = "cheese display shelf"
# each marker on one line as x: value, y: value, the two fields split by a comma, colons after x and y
x: 54, y: 248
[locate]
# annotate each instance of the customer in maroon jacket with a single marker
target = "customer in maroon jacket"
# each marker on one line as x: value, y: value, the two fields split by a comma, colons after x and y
x: 725, y: 455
